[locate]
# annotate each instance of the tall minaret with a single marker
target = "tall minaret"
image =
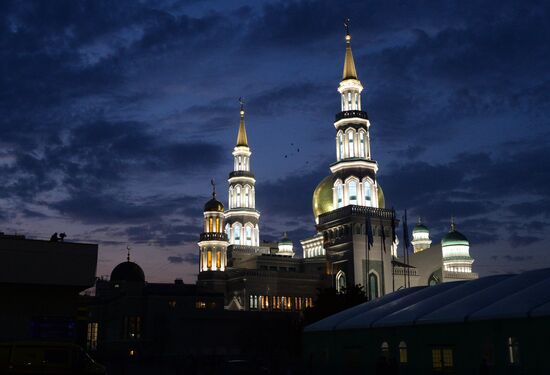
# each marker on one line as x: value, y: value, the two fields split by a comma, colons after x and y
x: 355, y: 171
x: 242, y: 217
x: 213, y: 241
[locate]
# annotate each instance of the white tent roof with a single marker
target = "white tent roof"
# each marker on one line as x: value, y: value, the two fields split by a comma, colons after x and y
x: 492, y: 297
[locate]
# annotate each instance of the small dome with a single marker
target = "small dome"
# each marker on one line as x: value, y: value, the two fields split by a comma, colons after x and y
x: 420, y: 228
x: 285, y: 240
x: 128, y: 271
x: 454, y: 237
x: 322, y: 197
x: 213, y: 205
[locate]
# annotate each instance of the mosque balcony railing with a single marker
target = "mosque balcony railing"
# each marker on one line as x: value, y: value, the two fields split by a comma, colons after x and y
x: 241, y: 174
x: 247, y: 249
x: 402, y: 271
x: 213, y: 236
x: 357, y: 211
x: 350, y: 114
x: 460, y: 275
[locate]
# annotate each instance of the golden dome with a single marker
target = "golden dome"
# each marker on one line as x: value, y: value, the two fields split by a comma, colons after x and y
x: 322, y: 197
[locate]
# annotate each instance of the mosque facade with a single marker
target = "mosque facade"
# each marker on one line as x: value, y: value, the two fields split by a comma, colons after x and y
x: 355, y: 241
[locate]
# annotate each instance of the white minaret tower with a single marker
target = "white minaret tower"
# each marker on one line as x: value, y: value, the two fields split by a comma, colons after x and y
x: 421, y: 237
x: 354, y: 170
x: 213, y: 241
x: 242, y: 217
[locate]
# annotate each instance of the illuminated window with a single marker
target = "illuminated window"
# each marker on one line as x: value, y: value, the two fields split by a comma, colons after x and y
x: 247, y: 196
x: 340, y: 281
x: 403, y: 352
x: 513, y: 350
x: 356, y: 101
x: 253, y: 302
x: 442, y: 359
x: 200, y: 305
x: 248, y: 235
x: 228, y: 230
x: 238, y: 196
x: 239, y: 163
x: 341, y: 145
x: 339, y: 196
x: 218, y: 259
x: 385, y: 349
x: 367, y: 187
x: 352, y: 191
x: 209, y: 259
x: 349, y: 100
x: 172, y: 304
x: 210, y: 224
x: 218, y: 225
x: 132, y: 327
x: 91, y: 336
x: 350, y: 145
x: 362, y: 144
x: 237, y: 234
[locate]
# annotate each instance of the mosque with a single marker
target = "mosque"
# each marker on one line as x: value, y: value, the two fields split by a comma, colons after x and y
x: 355, y: 241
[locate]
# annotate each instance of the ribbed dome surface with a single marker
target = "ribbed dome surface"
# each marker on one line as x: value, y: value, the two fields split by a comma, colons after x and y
x: 454, y: 237
x: 213, y: 205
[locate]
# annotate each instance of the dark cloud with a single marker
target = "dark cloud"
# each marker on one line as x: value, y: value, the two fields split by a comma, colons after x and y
x: 517, y: 240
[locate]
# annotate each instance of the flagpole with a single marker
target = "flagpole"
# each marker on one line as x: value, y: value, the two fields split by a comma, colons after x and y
x: 382, y: 252
x: 367, y: 250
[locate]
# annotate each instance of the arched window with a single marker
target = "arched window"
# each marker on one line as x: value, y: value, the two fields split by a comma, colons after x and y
x: 340, y: 281
x: 367, y: 189
x: 352, y: 191
x: 228, y: 231
x: 341, y: 145
x: 356, y: 101
x: 237, y: 234
x: 209, y: 259
x: 248, y: 235
x: 218, y: 259
x: 373, y: 286
x: 218, y: 230
x: 238, y: 196
x: 349, y: 100
x: 239, y: 163
x: 403, y: 352
x: 385, y: 349
x: 210, y: 224
x: 247, y: 196
x: 362, y: 144
x: 350, y: 145
x: 339, y: 195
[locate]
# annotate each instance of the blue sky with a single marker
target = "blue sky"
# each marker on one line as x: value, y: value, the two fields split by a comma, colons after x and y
x: 116, y: 115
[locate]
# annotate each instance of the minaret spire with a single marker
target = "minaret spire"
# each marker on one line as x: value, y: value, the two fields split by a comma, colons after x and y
x: 128, y: 255
x: 242, y: 140
x: 349, y: 65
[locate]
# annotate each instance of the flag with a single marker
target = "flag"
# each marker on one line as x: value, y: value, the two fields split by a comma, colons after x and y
x: 383, y: 235
x: 370, y: 239
x: 393, y: 234
x: 406, y: 241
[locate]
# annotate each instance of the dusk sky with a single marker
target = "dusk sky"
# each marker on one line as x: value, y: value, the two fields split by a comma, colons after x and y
x: 115, y: 115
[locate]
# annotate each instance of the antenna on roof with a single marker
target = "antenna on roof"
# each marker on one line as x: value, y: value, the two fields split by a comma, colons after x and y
x: 128, y: 256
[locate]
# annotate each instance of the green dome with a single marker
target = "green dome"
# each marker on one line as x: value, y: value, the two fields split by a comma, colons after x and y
x: 454, y: 237
x: 213, y: 205
x: 420, y: 228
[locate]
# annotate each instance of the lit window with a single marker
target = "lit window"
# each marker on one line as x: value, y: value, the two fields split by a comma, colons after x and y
x: 341, y: 145
x: 240, y: 163
x: 248, y: 235
x: 513, y: 351
x: 368, y: 193
x: 200, y: 305
x: 340, y: 281
x: 349, y: 100
x: 218, y: 225
x: 442, y: 359
x: 172, y: 304
x: 350, y: 145
x: 385, y: 349
x: 247, y: 197
x: 91, y: 336
x: 339, y: 196
x: 362, y: 144
x: 403, y: 352
x: 218, y: 259
x: 210, y: 224
x: 228, y: 231
x: 238, y: 196
x: 352, y: 191
x: 209, y: 259
x: 237, y: 234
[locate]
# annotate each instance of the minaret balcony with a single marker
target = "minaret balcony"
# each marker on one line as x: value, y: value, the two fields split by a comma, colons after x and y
x: 351, y: 114
x: 241, y: 174
x: 213, y: 236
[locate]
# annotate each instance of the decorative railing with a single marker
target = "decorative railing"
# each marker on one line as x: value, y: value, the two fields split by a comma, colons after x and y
x: 353, y: 210
x: 244, y: 249
x: 460, y: 275
x: 350, y: 114
x: 241, y: 174
x: 399, y: 271
x: 213, y: 236
x: 267, y: 274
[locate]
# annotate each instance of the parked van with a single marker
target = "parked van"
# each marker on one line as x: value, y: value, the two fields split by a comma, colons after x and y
x: 46, y: 357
